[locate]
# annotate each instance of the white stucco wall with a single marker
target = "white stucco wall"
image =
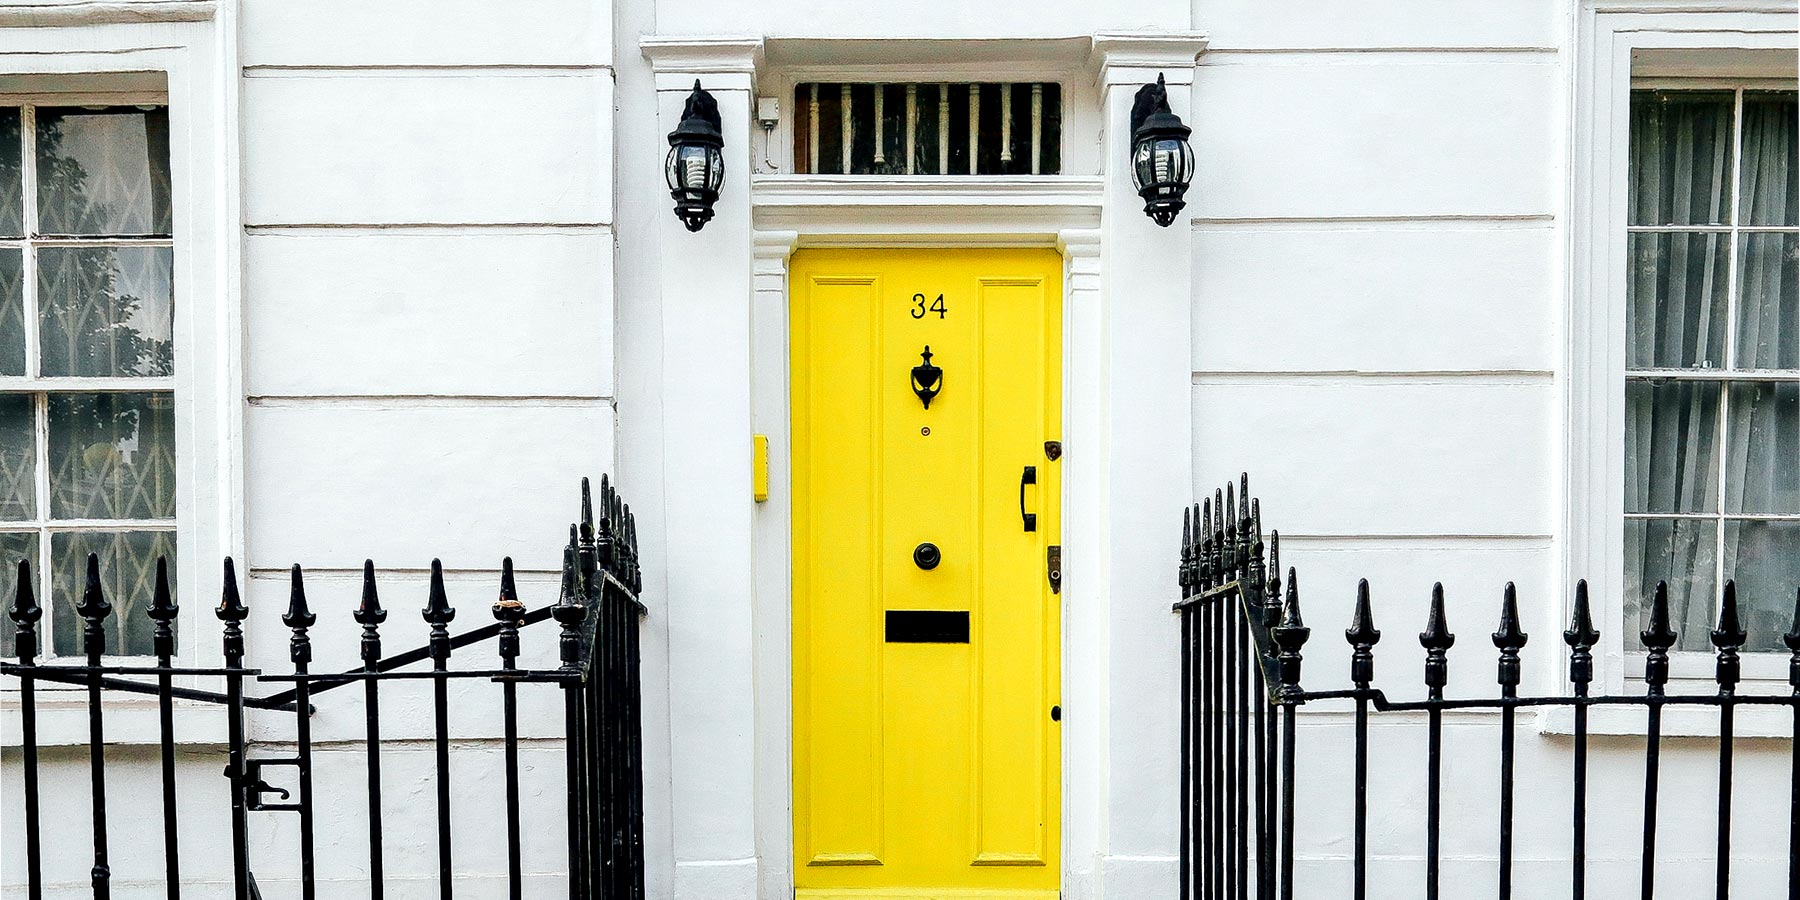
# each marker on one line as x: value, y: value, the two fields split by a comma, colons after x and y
x: 455, y: 287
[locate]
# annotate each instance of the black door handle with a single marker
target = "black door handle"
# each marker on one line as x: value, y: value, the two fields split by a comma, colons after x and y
x: 1029, y: 476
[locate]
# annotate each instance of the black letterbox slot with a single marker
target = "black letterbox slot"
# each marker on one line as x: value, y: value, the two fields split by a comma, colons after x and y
x: 927, y: 626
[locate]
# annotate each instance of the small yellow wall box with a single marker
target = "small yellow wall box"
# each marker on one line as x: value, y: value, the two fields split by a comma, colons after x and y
x: 759, y: 467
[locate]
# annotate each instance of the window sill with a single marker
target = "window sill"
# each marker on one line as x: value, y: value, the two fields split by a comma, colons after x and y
x: 1751, y: 722
x: 62, y: 720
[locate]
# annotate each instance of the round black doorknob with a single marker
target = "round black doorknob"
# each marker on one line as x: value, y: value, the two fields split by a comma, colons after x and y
x: 926, y: 556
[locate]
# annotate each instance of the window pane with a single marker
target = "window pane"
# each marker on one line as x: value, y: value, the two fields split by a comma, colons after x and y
x: 1764, y: 557
x: 14, y: 546
x: 12, y: 181
x: 127, y: 576
x: 103, y: 171
x: 12, y: 311
x: 1769, y: 301
x: 1684, y: 553
x: 1769, y: 184
x: 106, y: 311
x: 1763, y: 472
x: 112, y: 456
x: 1676, y: 290
x: 1681, y: 157
x: 18, y: 459
x: 1671, y: 446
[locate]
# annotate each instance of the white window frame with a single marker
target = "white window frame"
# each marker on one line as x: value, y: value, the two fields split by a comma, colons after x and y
x: 1617, y: 41
x: 36, y: 386
x: 191, y: 48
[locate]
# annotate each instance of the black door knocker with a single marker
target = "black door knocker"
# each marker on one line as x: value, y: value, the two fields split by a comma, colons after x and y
x: 927, y: 379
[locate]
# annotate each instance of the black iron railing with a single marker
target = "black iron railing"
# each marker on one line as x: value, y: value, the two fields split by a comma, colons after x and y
x: 597, y: 610
x: 1242, y: 635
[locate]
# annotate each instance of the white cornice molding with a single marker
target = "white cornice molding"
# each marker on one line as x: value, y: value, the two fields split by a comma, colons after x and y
x: 770, y: 249
x: 105, y: 12
x: 926, y: 190
x: 724, y: 62
x: 1120, y: 57
x: 926, y: 210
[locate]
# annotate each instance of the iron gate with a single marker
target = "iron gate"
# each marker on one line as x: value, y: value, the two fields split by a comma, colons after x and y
x: 596, y: 611
x: 1241, y: 640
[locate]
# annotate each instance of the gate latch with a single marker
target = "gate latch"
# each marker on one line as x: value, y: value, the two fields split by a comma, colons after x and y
x: 254, y: 787
x: 1053, y: 567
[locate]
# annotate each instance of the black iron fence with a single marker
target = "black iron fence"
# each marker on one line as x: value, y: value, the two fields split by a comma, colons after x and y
x: 1241, y: 642
x: 597, y: 611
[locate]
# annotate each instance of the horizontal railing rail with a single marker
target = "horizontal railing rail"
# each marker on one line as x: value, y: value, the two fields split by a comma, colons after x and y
x: 597, y: 611
x: 1242, y: 637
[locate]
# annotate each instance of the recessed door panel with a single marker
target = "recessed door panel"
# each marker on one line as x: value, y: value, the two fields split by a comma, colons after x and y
x: 926, y: 637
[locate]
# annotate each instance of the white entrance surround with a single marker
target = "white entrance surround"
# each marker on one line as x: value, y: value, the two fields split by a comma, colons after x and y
x: 1126, y: 466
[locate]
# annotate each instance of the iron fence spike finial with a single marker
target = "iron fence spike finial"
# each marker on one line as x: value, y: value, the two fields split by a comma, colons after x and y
x: 438, y: 610
x: 1730, y: 632
x: 569, y: 594
x: 231, y: 604
x: 298, y: 615
x: 1581, y: 638
x: 1362, y: 635
x: 1290, y: 636
x: 1509, y: 639
x: 587, y: 511
x: 1581, y: 633
x: 369, y: 611
x: 162, y: 599
x: 507, y: 607
x: 1362, y: 630
x: 25, y: 607
x: 1290, y: 608
x: 1728, y: 637
x: 25, y: 613
x: 1659, y: 636
x: 1511, y: 636
x: 1436, y: 635
x: 93, y: 604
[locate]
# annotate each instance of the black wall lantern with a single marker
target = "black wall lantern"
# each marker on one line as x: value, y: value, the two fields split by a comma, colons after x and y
x: 1162, y: 163
x: 696, y: 164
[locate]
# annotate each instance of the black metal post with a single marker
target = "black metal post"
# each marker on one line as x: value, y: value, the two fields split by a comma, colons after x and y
x: 1362, y: 635
x: 1581, y: 638
x: 438, y: 614
x: 25, y: 614
x: 1437, y: 641
x: 1658, y: 638
x: 370, y: 615
x: 511, y: 612
x: 299, y: 618
x: 232, y: 612
x: 93, y: 610
x: 163, y: 612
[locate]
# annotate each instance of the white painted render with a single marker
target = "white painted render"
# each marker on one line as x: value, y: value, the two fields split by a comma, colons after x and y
x: 429, y: 278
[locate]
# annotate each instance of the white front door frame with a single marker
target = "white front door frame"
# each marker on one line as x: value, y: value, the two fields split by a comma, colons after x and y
x: 821, y: 222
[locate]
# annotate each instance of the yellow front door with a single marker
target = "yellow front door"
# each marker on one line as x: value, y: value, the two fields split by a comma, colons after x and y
x: 927, y: 754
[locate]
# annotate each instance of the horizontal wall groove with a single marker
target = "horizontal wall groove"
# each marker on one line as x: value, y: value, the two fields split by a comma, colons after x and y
x: 427, y: 70
x: 1389, y: 56
x: 1354, y: 376
x: 1416, y: 541
x: 1214, y: 50
x: 1503, y: 220
x: 414, y: 401
x: 429, y: 227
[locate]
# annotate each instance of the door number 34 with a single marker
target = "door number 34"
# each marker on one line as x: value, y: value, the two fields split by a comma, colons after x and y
x: 920, y: 309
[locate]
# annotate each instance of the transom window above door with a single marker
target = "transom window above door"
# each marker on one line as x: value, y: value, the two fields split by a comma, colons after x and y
x: 1712, y: 381
x: 928, y: 128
